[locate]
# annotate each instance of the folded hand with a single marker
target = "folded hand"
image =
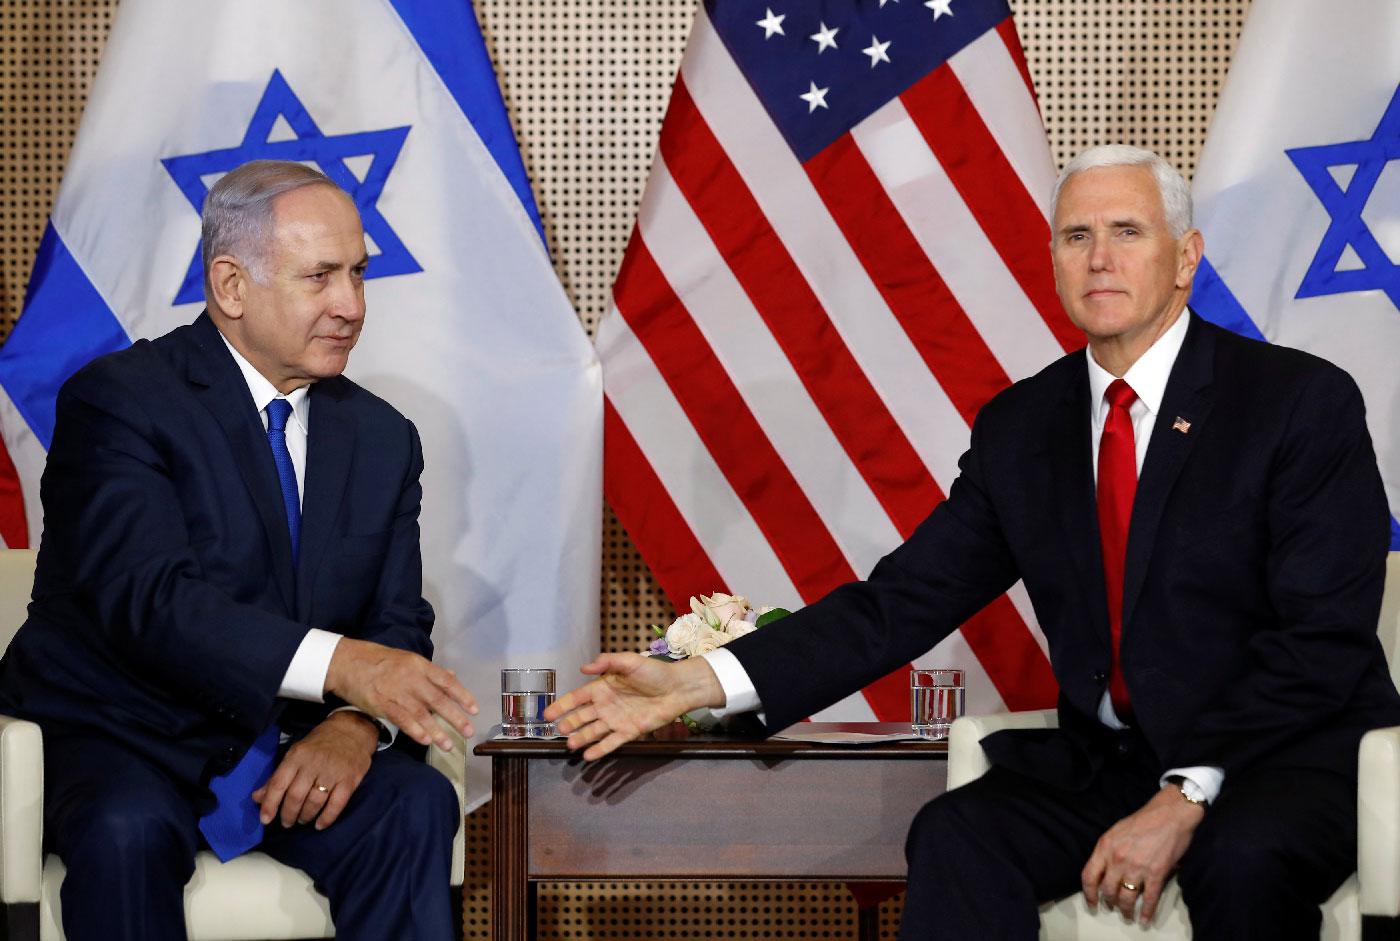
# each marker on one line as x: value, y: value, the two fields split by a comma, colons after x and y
x: 319, y: 773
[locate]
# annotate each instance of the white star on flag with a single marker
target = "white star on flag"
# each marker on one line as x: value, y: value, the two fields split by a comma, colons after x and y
x: 939, y: 7
x: 825, y: 38
x: 877, y: 51
x: 772, y: 23
x: 883, y: 2
x: 815, y: 97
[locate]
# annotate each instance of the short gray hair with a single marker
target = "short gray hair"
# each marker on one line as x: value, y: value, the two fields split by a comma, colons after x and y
x: 238, y: 210
x: 1176, y: 195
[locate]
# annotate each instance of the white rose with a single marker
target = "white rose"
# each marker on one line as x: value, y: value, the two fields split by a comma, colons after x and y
x: 719, y: 609
x: 738, y: 629
x: 707, y: 640
x: 683, y: 632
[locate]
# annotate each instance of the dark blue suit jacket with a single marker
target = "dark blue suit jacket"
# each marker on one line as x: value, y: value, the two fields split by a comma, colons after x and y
x: 1255, y: 564
x: 166, y: 607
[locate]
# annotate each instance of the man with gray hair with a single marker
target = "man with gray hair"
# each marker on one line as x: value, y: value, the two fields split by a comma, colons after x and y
x: 228, y: 644
x: 1201, y: 526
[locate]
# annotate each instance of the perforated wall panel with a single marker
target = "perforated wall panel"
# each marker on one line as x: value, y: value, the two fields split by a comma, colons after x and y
x: 587, y: 83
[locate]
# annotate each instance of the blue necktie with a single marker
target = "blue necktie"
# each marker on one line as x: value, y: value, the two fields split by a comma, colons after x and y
x: 232, y: 827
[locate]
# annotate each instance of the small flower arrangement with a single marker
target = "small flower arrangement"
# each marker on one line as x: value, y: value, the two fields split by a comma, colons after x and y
x: 713, y: 621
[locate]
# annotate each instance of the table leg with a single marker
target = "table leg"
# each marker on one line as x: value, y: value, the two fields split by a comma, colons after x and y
x: 510, y: 895
x: 868, y: 923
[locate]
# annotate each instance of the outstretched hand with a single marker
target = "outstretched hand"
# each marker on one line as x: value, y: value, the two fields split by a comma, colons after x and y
x: 633, y: 695
x: 403, y: 687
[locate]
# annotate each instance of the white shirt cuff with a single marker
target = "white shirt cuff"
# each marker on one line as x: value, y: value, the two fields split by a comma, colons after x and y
x: 739, y: 694
x: 1201, y: 783
x: 306, y: 674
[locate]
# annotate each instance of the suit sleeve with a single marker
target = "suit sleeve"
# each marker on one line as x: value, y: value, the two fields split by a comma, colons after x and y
x: 400, y: 616
x: 1324, y: 573
x: 955, y: 563
x: 116, y: 541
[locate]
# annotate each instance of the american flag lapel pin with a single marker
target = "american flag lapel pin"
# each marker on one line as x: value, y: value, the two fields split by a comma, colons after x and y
x: 1181, y: 425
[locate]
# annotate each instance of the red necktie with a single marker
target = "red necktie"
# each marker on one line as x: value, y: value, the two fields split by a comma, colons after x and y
x: 1116, y: 488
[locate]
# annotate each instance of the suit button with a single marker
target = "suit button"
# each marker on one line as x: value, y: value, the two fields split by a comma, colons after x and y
x: 1124, y: 748
x: 1100, y: 676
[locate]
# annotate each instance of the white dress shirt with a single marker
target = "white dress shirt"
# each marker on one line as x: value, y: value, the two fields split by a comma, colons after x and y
x: 1148, y: 378
x: 305, y: 678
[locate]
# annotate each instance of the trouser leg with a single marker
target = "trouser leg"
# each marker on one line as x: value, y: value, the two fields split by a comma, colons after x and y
x: 384, y: 864
x: 983, y: 857
x: 1274, y: 847
x: 127, y: 836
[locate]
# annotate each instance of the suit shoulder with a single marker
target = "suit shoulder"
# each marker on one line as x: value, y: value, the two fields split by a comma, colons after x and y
x: 1274, y: 368
x: 1030, y: 396
x: 369, y: 408
x: 123, y: 372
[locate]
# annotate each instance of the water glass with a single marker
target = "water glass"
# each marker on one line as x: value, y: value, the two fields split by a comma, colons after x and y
x: 935, y: 700
x: 525, y: 694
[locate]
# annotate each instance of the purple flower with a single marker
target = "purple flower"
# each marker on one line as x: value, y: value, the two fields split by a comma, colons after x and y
x: 659, y: 647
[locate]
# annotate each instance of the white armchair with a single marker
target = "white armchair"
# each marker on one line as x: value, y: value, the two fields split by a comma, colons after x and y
x: 251, y: 897
x: 1373, y: 890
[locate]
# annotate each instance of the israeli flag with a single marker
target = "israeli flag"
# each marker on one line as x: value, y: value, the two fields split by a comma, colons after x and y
x: 1297, y: 192
x: 468, y: 332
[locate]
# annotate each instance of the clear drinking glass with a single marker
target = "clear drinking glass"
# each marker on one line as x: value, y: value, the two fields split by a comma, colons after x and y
x: 935, y: 700
x: 525, y: 694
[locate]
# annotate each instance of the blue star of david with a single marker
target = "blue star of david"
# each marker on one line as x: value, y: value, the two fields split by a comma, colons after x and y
x: 1345, y: 206
x: 308, y: 146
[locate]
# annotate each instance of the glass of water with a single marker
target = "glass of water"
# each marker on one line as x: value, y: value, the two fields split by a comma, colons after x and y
x: 525, y: 694
x: 935, y: 700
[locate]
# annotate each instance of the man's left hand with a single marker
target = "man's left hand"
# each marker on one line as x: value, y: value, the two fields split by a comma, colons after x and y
x: 1141, y: 851
x: 320, y: 772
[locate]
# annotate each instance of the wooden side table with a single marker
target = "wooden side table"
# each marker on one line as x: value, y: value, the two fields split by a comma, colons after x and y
x: 703, y: 808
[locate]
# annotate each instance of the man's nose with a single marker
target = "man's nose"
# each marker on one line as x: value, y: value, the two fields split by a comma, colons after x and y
x: 1100, y: 254
x: 348, y: 302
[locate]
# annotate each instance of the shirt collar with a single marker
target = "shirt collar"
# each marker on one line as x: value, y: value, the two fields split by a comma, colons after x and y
x: 1148, y: 376
x: 264, y: 391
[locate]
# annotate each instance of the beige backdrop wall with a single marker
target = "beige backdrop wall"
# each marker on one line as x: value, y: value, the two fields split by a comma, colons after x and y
x: 586, y: 82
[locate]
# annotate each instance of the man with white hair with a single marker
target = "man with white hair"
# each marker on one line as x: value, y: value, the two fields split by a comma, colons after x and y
x: 228, y: 598
x: 1201, y: 526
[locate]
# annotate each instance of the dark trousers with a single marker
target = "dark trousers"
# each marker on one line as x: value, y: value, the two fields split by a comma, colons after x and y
x: 128, y: 836
x: 1276, y: 844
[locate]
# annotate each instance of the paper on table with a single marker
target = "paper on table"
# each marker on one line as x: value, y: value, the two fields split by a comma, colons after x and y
x: 797, y: 734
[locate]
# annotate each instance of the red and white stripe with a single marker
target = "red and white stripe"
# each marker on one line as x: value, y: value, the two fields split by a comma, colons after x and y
x: 795, y: 353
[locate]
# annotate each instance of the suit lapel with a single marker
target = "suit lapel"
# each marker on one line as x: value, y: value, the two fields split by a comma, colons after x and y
x: 1189, y: 397
x: 330, y: 446
x: 1071, y: 458
x: 220, y: 387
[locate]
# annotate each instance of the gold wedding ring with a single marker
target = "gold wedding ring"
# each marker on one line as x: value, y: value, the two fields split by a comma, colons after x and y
x: 322, y: 788
x: 1128, y: 886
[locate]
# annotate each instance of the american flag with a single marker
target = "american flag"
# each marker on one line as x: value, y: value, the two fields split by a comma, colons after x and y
x: 841, y: 255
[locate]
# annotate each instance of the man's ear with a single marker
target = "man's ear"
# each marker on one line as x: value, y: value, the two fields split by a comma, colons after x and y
x: 228, y: 285
x: 1193, y: 246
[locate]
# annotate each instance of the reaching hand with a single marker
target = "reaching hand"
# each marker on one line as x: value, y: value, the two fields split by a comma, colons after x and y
x: 1141, y: 851
x: 402, y: 687
x: 632, y: 696
x: 319, y: 773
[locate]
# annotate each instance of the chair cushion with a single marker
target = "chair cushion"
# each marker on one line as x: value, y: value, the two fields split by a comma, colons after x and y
x: 252, y: 896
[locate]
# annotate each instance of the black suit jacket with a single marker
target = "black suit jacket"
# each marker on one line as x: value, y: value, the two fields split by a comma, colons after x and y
x: 166, y: 607
x: 1255, y: 564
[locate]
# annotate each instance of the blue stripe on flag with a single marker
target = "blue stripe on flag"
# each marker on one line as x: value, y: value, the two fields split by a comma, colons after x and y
x: 1213, y: 300
x: 448, y: 34
x: 65, y: 324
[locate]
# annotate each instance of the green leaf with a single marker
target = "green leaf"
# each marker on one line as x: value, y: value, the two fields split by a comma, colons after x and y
x: 776, y: 614
x: 658, y: 630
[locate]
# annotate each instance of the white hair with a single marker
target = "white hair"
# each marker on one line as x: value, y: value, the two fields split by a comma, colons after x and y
x: 1176, y: 195
x: 237, y: 212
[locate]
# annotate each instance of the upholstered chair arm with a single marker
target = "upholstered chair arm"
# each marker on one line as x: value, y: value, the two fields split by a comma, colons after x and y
x: 21, y: 810
x: 966, y: 761
x: 1378, y: 822
x: 453, y: 764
